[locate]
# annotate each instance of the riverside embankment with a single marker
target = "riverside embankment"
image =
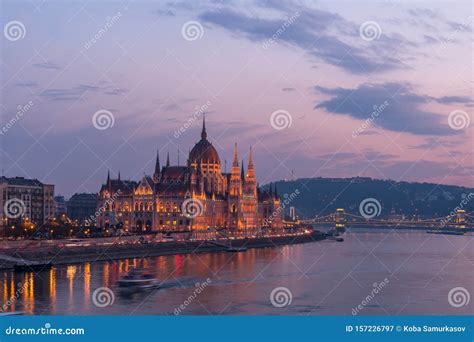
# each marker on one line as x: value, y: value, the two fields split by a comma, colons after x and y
x: 88, y: 251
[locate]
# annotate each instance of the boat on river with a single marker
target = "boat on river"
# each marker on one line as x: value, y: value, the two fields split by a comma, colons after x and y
x: 445, y: 232
x: 236, y: 249
x: 138, y: 279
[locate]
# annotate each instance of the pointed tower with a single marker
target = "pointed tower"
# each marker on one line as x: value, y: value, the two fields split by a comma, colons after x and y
x: 235, y: 188
x: 119, y: 175
x: 157, y: 173
x: 242, y: 173
x: 168, y: 159
x: 109, y: 182
x: 235, y: 194
x: 250, y: 181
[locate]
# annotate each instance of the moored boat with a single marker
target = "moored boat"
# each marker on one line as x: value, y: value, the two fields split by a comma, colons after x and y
x: 236, y: 249
x: 445, y: 232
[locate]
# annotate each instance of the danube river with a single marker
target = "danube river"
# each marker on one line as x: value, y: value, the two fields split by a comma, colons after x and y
x: 412, y: 272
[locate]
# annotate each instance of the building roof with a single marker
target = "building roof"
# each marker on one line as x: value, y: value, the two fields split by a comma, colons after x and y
x: 20, y: 181
x: 84, y: 195
x: 83, y: 198
x: 114, y: 185
x: 170, y: 173
x: 203, y: 151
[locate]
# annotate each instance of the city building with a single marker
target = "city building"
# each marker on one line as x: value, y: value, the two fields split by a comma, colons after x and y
x: 23, y: 200
x: 194, y: 197
x: 82, y: 207
x: 60, y: 206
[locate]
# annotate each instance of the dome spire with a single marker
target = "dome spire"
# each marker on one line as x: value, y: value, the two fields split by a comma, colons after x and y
x: 204, y: 133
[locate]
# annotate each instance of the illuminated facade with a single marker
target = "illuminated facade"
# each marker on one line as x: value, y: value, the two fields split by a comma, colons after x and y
x: 25, y: 199
x: 197, y: 196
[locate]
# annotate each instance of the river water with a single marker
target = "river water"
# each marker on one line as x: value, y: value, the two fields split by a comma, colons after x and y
x: 373, y: 272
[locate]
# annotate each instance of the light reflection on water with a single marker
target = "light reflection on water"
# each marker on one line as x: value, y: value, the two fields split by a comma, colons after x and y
x: 323, y: 277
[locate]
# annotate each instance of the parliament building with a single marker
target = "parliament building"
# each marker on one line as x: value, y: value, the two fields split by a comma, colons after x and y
x: 195, y: 197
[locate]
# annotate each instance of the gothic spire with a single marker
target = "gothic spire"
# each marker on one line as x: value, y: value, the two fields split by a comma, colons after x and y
x: 119, y: 175
x: 242, y: 171
x: 204, y: 133
x: 109, y: 183
x: 157, y: 164
x: 236, y: 156
x: 250, y: 158
x: 168, y: 159
x: 250, y: 169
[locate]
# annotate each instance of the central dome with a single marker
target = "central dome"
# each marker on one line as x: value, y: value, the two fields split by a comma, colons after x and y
x: 203, y: 151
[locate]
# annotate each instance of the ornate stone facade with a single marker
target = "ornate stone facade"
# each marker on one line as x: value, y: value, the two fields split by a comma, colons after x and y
x: 195, y: 197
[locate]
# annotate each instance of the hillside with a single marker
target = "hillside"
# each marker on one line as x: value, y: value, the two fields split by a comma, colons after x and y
x: 321, y: 196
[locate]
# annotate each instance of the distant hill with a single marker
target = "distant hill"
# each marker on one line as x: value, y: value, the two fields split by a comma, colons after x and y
x: 321, y: 196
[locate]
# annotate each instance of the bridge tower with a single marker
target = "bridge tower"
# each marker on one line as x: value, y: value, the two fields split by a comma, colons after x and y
x: 461, y: 218
x: 293, y: 214
x: 340, y: 220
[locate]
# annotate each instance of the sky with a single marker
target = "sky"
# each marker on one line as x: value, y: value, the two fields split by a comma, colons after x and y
x: 379, y: 89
